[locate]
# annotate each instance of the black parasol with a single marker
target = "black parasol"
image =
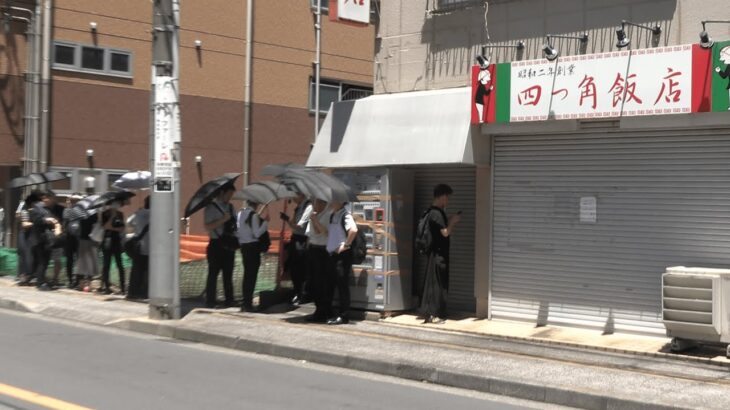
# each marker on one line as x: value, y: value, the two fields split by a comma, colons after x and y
x: 208, y: 191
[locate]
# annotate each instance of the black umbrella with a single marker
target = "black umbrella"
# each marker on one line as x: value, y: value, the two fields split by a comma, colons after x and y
x: 278, y: 169
x: 306, y: 183
x: 297, y: 185
x: 265, y: 192
x: 321, y: 185
x: 111, y: 196
x: 207, y: 192
x: 37, y: 178
x: 82, y: 209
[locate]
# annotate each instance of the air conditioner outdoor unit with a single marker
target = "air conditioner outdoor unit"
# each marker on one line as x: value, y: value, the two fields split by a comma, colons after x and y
x: 696, y: 306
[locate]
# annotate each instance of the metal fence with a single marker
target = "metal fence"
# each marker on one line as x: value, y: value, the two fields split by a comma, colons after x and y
x: 193, y: 274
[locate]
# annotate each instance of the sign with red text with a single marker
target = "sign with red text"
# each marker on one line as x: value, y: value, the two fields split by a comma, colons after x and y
x: 654, y: 81
x: 354, y: 10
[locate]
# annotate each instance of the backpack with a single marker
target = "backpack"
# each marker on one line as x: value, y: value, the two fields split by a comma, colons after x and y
x: 424, y: 236
x: 358, y: 246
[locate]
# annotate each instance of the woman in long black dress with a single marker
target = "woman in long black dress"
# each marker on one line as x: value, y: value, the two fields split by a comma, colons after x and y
x: 113, y: 222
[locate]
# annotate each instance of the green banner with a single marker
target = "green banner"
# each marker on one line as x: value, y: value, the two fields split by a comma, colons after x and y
x: 721, y: 76
x: 504, y: 78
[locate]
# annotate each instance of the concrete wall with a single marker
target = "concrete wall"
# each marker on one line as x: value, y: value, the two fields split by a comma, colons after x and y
x: 420, y: 50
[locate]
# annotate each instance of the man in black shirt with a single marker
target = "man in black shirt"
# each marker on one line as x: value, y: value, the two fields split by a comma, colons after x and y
x: 436, y: 279
x: 41, y: 238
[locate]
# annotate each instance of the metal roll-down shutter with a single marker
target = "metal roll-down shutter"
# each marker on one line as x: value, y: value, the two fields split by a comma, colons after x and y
x: 462, y: 180
x: 662, y: 199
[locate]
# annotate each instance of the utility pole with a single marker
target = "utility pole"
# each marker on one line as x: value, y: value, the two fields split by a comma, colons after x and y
x: 164, y: 263
x: 317, y: 65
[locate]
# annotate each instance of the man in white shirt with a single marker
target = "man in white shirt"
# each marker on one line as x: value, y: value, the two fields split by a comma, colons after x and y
x: 341, y: 232
x: 318, y: 259
x: 251, y: 225
x: 297, y: 248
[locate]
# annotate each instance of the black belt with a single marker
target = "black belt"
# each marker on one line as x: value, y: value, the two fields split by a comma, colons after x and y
x: 317, y: 246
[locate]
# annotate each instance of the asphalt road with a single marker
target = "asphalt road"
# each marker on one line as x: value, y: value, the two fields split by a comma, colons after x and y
x: 95, y: 367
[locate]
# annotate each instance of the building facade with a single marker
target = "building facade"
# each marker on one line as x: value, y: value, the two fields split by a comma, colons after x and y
x: 567, y: 221
x: 100, y: 80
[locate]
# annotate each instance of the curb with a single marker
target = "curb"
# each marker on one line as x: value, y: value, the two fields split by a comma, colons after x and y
x: 14, y: 305
x: 403, y: 370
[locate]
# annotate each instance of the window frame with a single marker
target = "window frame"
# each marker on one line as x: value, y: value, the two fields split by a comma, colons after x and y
x: 324, y: 7
x: 322, y: 83
x: 130, y: 62
x: 341, y: 86
x: 89, y: 69
x: 78, y: 175
x: 106, y: 60
x: 76, y: 56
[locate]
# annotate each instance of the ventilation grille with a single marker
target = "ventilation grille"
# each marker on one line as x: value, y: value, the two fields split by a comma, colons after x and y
x: 688, y: 302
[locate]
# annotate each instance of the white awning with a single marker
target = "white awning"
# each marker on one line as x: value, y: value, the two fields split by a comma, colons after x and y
x: 423, y: 127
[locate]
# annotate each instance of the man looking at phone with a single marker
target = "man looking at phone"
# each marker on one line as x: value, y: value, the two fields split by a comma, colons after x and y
x: 436, y: 279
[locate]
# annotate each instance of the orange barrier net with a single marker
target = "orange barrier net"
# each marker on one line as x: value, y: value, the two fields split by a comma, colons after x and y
x: 192, y: 247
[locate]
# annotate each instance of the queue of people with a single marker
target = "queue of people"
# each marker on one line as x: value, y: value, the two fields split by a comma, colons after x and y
x: 319, y: 259
x: 319, y: 255
x: 50, y: 232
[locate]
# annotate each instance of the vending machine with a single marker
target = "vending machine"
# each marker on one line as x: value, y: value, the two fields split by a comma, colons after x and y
x: 384, y: 213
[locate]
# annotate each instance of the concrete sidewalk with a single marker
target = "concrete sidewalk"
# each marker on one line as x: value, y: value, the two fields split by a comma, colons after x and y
x: 552, y: 371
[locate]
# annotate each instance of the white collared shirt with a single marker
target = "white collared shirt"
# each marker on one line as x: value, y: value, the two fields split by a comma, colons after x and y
x: 301, y: 217
x: 336, y: 236
x: 319, y: 239
x: 250, y: 233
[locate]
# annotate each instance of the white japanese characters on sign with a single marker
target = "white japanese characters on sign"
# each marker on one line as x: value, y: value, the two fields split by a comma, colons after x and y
x: 640, y: 82
x: 355, y: 10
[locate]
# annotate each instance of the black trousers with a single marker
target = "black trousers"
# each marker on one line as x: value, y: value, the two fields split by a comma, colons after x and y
x: 112, y: 249
x: 435, y: 288
x: 219, y: 259
x: 251, y: 263
x: 25, y: 256
x: 41, y: 258
x: 318, y: 261
x: 298, y: 266
x: 338, y: 277
x: 70, y: 249
x: 139, y: 277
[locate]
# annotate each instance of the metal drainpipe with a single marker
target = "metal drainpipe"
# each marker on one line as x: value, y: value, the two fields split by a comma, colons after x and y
x: 38, y: 40
x: 28, y: 134
x: 247, y: 95
x: 317, y: 66
x: 45, y: 84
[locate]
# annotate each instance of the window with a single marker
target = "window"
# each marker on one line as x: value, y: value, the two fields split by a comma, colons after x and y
x: 119, y: 61
x: 86, y: 180
x: 64, y: 54
x: 91, y: 59
x: 324, y: 5
x: 446, y: 6
x: 332, y: 92
x: 442, y: 4
x: 63, y: 185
